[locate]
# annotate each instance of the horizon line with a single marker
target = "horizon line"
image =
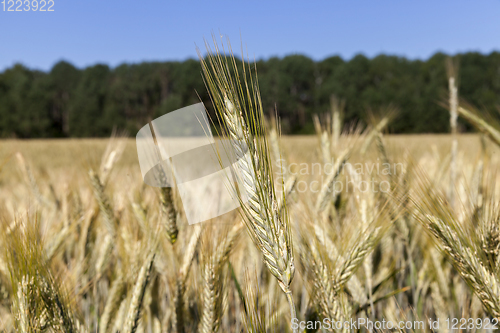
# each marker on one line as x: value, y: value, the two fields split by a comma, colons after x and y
x: 263, y: 58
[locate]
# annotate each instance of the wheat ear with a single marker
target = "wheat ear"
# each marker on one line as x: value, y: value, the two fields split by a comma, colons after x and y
x: 169, y: 213
x: 324, y: 195
x: 239, y: 108
x: 484, y: 284
x: 213, y: 281
x: 354, y: 285
x: 32, y: 182
x: 320, y: 272
x: 103, y: 201
x: 290, y: 180
x: 113, y: 301
x: 268, y: 230
x: 453, y: 90
x: 135, y: 307
x: 180, y: 283
x: 324, y: 140
x: 484, y: 126
x: 337, y: 108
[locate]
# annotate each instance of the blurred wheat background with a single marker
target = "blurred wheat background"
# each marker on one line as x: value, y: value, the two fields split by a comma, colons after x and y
x: 86, y: 246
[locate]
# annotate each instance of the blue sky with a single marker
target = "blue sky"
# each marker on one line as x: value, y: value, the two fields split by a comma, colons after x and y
x: 113, y: 32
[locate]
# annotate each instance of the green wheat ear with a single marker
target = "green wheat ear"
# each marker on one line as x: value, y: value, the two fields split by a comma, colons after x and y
x: 39, y: 299
x: 236, y: 99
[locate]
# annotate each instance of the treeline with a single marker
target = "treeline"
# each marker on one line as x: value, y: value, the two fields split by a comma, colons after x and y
x: 72, y: 102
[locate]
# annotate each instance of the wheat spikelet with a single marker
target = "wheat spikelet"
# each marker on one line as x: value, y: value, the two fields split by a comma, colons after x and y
x: 135, y: 307
x: 39, y: 298
x: 112, y: 303
x: 288, y: 188
x: 57, y: 242
x: 353, y: 284
x: 438, y: 304
x: 140, y: 214
x: 289, y: 180
x: 112, y: 154
x: 487, y: 127
x: 324, y: 197
x: 190, y: 251
x: 212, y: 299
x: 324, y: 290
x: 32, y: 182
x: 178, y: 314
x: 103, y: 201
x: 22, y: 306
x: 120, y: 316
x: 324, y: 140
x: 484, y: 284
x: 453, y: 100
x: 337, y: 115
x: 325, y: 147
x: 330, y: 272
x: 253, y: 315
x: 238, y: 105
x: 213, y: 281
x: 169, y: 212
x: 372, y: 135
x: 275, y: 146
x: 356, y: 256
x: 452, y: 69
x: 103, y: 254
x: 442, y: 278
x: 477, y: 185
x: 267, y: 229
x: 182, y: 275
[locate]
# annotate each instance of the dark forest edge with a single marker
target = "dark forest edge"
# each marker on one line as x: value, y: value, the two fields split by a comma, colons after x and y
x: 90, y: 102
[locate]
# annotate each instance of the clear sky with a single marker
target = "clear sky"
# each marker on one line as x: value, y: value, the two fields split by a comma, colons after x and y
x: 113, y: 32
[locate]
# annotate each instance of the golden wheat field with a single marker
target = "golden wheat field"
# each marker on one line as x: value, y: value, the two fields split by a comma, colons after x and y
x: 100, y: 251
x: 350, y: 230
